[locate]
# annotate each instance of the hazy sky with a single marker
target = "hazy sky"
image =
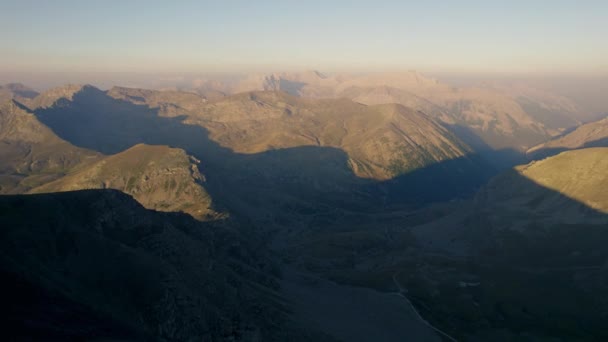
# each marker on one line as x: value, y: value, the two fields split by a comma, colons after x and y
x: 225, y: 35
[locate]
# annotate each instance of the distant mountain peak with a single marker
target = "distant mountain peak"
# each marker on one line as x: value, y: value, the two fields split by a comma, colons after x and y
x: 20, y: 90
x: 316, y: 73
x: 67, y: 92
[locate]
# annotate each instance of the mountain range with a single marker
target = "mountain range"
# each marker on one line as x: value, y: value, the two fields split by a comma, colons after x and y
x: 487, y: 117
x: 302, y: 207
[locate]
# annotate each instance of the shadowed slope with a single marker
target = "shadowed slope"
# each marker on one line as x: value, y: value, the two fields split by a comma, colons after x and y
x: 526, y: 260
x: 132, y: 272
x: 579, y: 175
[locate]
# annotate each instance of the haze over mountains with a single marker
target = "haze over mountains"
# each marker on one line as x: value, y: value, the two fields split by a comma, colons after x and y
x: 382, y: 194
x: 508, y: 116
x: 303, y: 171
x: 501, y: 119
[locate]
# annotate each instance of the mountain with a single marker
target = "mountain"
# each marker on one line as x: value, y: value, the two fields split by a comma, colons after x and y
x: 575, y: 180
x: 588, y: 135
x: 36, y: 160
x: 16, y: 91
x: 293, y: 83
x: 271, y: 142
x: 168, y: 102
x: 497, y: 120
x: 554, y: 111
x: 524, y: 260
x: 31, y: 153
x: 95, y: 265
x: 488, y: 117
x: 158, y: 177
x: 386, y: 94
x: 533, y: 234
x: 272, y: 159
x: 87, y: 117
x: 49, y: 97
x: 334, y: 188
x: 381, y: 141
x: 565, y: 189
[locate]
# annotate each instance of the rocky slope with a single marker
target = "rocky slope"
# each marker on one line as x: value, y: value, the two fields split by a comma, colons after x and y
x: 51, y: 96
x: 158, y: 177
x: 31, y: 153
x: 103, y: 267
x: 499, y: 118
x: 524, y: 260
x: 273, y: 157
x: 555, y: 111
x: 35, y: 159
x: 169, y: 103
x: 16, y: 91
x: 566, y: 189
x: 382, y: 141
x: 535, y: 233
x: 593, y: 134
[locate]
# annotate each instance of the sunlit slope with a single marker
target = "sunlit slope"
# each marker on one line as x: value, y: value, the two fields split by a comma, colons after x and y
x: 512, y: 118
x: 581, y: 175
x: 569, y: 188
x: 381, y: 141
x: 158, y: 177
x: 593, y: 134
x: 31, y: 153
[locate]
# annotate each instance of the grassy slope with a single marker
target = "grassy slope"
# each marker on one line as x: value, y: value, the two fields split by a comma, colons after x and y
x: 31, y: 153
x: 588, y: 135
x: 158, y: 177
x: 578, y: 175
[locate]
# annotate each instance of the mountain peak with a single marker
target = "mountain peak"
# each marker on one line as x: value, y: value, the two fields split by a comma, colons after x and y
x: 316, y: 73
x: 68, y: 91
x: 20, y: 90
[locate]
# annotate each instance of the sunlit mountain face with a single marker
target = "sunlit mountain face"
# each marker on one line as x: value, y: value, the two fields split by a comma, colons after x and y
x: 314, y: 171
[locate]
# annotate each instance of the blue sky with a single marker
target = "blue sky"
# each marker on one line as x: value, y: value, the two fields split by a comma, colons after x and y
x: 225, y: 35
